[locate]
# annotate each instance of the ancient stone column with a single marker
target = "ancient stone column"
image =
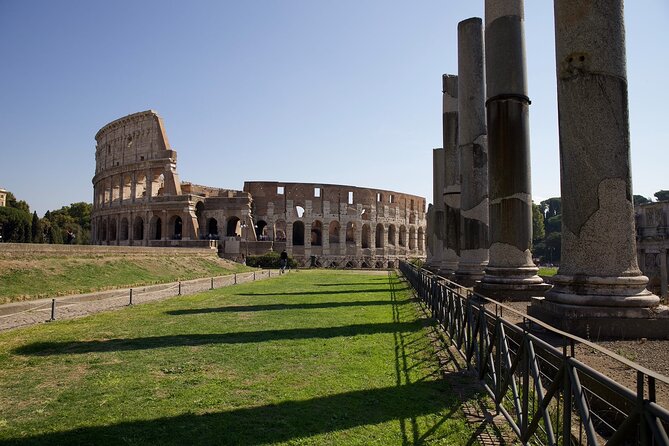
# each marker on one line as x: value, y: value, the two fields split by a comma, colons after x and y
x: 451, y: 192
x: 436, y: 222
x: 472, y: 146
x: 599, y: 289
x: 511, y: 273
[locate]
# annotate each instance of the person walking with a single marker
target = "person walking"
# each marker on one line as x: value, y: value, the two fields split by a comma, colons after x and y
x: 283, y: 260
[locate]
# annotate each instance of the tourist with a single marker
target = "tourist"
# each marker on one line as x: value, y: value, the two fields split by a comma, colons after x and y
x: 283, y: 260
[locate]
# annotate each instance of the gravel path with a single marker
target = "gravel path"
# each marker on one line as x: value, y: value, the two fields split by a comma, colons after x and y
x: 20, y: 314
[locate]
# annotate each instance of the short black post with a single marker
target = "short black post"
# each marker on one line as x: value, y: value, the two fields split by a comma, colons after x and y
x: 130, y: 303
x: 53, y: 310
x: 235, y: 278
x: 269, y: 273
x: 254, y: 275
x: 212, y: 284
x: 179, y: 288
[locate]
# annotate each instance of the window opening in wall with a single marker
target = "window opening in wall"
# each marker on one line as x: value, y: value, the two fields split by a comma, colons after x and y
x: 317, y: 192
x: 141, y: 158
x: 412, y: 205
x: 300, y: 211
x: 350, y: 198
x: 363, y: 212
x: 280, y: 190
x: 392, y: 198
x: 379, y: 197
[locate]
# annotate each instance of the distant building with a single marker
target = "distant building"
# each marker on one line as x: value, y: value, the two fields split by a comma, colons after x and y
x: 3, y: 198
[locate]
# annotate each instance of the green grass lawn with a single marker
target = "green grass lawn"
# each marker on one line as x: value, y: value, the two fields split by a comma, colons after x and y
x: 312, y: 357
x: 548, y: 271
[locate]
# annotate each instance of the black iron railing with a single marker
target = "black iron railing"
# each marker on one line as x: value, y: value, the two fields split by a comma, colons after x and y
x: 530, y: 371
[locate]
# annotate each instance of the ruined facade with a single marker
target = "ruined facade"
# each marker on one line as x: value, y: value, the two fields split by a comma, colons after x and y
x: 139, y: 200
x: 339, y: 226
x: 3, y: 198
x: 652, y: 234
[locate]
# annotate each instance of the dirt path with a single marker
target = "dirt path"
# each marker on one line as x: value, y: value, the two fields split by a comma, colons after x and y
x: 20, y: 314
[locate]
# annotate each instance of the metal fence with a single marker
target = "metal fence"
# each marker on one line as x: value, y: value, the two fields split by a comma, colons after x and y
x: 530, y: 371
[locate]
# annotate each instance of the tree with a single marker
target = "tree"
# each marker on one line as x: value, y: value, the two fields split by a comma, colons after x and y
x: 13, y: 203
x: 640, y: 199
x: 551, y: 207
x: 36, y: 230
x: 538, y: 229
x: 662, y: 195
x: 15, y: 224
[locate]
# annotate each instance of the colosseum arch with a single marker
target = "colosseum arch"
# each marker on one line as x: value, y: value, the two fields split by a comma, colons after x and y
x: 350, y: 233
x: 261, y: 230
x: 364, y: 242
x: 412, y: 237
x: 316, y: 233
x: 124, y: 230
x: 333, y: 232
x: 176, y: 227
x: 104, y: 234
x: 392, y: 236
x: 212, y: 227
x: 403, y: 236
x: 280, y: 230
x: 138, y: 229
x: 378, y: 242
x: 156, y: 228
x: 233, y: 227
x: 298, y: 233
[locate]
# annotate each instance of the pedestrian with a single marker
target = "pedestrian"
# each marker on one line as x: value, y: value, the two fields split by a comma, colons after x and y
x: 283, y: 260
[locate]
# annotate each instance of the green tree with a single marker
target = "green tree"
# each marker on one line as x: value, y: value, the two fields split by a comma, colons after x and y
x: 538, y: 229
x: 12, y: 202
x: 662, y: 195
x: 551, y: 207
x: 15, y: 224
x: 36, y: 229
x: 640, y: 199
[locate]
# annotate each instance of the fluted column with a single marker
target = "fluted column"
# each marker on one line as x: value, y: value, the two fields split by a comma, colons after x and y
x: 511, y: 273
x: 472, y: 144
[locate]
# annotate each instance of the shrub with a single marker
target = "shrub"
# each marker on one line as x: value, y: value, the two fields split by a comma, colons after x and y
x: 269, y: 260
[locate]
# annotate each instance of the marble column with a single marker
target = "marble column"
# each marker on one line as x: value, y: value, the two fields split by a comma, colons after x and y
x: 451, y: 191
x: 511, y: 273
x: 472, y: 145
x: 599, y: 289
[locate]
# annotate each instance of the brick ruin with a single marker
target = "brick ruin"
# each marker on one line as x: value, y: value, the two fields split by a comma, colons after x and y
x: 139, y: 200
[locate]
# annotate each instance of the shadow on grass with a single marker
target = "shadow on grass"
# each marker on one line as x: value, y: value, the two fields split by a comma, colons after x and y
x: 77, y: 347
x: 310, y: 293
x: 269, y: 424
x: 273, y: 307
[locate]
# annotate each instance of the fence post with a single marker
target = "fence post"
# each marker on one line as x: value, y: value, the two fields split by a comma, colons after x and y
x: 235, y: 278
x: 179, y: 288
x: 53, y: 310
x: 254, y: 275
x: 212, y: 284
x: 130, y: 302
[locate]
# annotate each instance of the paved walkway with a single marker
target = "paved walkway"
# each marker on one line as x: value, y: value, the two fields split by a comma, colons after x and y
x: 19, y: 314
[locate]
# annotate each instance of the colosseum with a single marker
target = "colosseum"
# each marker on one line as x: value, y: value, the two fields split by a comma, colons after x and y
x: 139, y: 200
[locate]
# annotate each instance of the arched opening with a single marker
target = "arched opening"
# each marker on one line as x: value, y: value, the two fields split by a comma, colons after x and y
x: 233, y: 228
x: 365, y: 236
x: 412, y: 238
x: 421, y: 240
x: 138, y: 229
x: 112, y: 230
x: 298, y: 233
x: 378, y: 243
x: 350, y: 233
x: 176, y: 224
x: 261, y: 234
x: 316, y: 233
x: 103, y: 234
x: 199, y: 214
x: 403, y: 236
x: 333, y: 232
x: 124, y: 229
x: 392, y: 236
x: 212, y: 228
x: 280, y: 231
x: 156, y: 229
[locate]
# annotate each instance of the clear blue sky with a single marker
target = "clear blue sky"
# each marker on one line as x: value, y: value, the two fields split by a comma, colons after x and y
x: 345, y: 91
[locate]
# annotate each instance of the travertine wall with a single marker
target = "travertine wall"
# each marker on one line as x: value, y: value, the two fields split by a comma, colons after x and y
x: 339, y: 225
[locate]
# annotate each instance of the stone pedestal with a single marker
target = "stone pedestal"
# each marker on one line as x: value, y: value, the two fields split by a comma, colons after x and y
x: 451, y: 167
x: 472, y: 145
x: 599, y: 278
x: 511, y: 273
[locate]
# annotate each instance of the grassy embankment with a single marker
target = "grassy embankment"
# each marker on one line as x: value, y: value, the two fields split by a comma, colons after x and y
x: 309, y: 358
x: 28, y: 276
x: 548, y: 271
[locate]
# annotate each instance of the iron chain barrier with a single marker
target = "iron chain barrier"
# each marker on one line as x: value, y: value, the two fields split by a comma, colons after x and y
x: 530, y: 372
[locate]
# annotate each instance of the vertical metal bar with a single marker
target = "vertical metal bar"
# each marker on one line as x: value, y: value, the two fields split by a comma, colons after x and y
x: 525, y: 361
x: 212, y: 284
x: 644, y: 434
x: 130, y: 303
x: 179, y: 288
x: 53, y: 310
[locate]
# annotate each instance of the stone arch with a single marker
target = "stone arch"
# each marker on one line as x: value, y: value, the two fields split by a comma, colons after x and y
x: 156, y: 228
x: 298, y: 233
x: 392, y: 236
x: 103, y: 231
x: 364, y: 242
x: 350, y: 233
x: 421, y: 240
x: 280, y: 230
x: 212, y: 227
x: 112, y: 230
x: 138, y: 229
x: 233, y: 227
x: 333, y: 232
x: 403, y: 236
x: 412, y: 217
x: 412, y: 237
x: 176, y: 227
x: 124, y: 229
x: 316, y: 233
x: 261, y: 233
x: 378, y: 243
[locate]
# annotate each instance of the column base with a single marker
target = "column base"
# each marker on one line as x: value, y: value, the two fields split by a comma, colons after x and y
x: 601, y: 291
x: 517, y: 284
x: 597, y: 323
